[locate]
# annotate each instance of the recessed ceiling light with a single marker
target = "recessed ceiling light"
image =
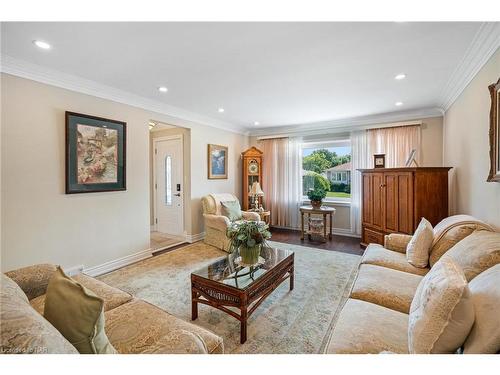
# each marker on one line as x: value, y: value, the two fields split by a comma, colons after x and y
x: 400, y: 76
x: 220, y: 110
x: 256, y: 123
x: 162, y: 89
x: 41, y: 44
x: 398, y: 104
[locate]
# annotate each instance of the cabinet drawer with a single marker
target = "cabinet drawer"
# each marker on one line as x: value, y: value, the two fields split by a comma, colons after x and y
x: 371, y: 236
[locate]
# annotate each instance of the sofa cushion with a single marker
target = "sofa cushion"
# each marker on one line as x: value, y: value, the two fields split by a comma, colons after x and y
x: 33, y: 280
x: 136, y: 325
x: 385, y: 287
x: 187, y: 343
x: 484, y: 337
x: 476, y: 253
x: 112, y: 296
x: 23, y: 329
x: 441, y: 313
x: 77, y: 313
x: 417, y: 251
x: 452, y: 230
x: 378, y: 255
x: 364, y: 327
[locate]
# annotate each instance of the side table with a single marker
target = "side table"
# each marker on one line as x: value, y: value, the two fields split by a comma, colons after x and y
x: 323, y: 211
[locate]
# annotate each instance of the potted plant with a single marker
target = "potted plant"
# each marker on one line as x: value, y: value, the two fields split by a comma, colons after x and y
x: 316, y: 197
x: 247, y: 237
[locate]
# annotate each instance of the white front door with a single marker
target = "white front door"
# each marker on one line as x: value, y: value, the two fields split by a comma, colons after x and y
x: 169, y: 205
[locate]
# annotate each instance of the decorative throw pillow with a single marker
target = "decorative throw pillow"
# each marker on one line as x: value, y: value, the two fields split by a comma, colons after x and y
x: 77, y: 313
x: 231, y: 210
x: 441, y: 313
x: 476, y: 252
x: 417, y: 251
x: 484, y: 337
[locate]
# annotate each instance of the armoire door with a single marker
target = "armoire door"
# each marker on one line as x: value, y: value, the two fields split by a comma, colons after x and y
x: 390, y: 191
x: 378, y: 201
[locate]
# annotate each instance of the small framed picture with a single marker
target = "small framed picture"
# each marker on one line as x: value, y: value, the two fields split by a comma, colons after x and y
x: 379, y: 161
x: 217, y: 162
x: 95, y: 154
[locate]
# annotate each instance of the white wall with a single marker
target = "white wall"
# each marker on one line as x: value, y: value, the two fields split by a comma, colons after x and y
x: 42, y: 224
x: 466, y: 148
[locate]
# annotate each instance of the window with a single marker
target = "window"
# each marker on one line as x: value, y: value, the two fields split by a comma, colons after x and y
x: 168, y: 181
x: 327, y: 166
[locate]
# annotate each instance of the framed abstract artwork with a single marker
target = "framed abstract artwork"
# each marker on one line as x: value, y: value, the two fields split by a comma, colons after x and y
x: 95, y: 154
x: 217, y: 162
x: 494, y: 175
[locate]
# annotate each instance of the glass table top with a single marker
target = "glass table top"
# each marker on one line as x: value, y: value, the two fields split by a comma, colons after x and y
x: 228, y: 270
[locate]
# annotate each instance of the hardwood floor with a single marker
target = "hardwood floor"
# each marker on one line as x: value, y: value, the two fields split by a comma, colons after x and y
x: 338, y: 243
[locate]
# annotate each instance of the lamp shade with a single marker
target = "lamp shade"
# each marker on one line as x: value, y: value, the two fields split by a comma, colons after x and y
x: 256, y: 190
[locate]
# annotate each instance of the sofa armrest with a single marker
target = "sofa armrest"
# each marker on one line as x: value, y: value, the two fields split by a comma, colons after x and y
x: 33, y: 280
x: 250, y: 215
x: 217, y: 221
x: 397, y: 242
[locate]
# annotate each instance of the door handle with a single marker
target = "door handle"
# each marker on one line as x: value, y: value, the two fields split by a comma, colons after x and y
x: 178, y: 194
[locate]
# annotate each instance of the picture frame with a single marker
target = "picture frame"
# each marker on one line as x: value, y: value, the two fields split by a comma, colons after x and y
x: 217, y: 162
x: 494, y: 175
x: 95, y: 153
x: 379, y: 161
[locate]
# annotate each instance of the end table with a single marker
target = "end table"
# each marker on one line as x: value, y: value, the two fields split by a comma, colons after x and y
x: 323, y: 211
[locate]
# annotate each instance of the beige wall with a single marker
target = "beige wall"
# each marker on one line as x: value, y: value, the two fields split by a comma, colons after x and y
x: 466, y: 148
x: 42, y: 224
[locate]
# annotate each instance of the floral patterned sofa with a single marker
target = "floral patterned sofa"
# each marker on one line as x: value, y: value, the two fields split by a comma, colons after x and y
x: 132, y: 325
x: 375, y: 318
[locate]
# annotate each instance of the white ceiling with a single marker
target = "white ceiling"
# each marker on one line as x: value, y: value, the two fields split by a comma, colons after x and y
x: 278, y: 74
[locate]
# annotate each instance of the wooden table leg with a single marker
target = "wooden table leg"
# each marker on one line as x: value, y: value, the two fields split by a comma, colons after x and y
x: 243, y: 329
x: 194, y: 305
x: 292, y: 277
x: 302, y: 221
x: 324, y: 227
x: 331, y: 225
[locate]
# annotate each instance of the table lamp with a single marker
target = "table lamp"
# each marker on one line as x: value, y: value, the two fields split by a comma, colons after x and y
x: 256, y: 192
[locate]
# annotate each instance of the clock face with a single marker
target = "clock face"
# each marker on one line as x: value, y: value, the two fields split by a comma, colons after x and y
x: 253, y: 167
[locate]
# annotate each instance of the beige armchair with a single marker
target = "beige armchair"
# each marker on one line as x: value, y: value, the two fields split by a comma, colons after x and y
x: 216, y: 224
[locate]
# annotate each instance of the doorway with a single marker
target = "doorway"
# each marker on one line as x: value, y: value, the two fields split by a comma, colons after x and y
x: 167, y: 229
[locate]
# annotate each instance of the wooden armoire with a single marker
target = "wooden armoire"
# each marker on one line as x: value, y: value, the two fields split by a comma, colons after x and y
x: 395, y: 199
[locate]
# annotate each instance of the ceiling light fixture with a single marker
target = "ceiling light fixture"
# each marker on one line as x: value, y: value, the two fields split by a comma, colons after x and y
x: 221, y: 110
x: 256, y: 123
x: 41, y: 44
x: 400, y: 76
x: 398, y: 104
x: 162, y: 89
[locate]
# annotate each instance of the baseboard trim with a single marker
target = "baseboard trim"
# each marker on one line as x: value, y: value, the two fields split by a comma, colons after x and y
x: 72, y: 271
x: 345, y: 232
x: 195, y: 237
x: 117, y: 263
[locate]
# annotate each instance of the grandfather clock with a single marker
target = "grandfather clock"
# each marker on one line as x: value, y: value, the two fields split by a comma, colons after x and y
x: 252, y: 172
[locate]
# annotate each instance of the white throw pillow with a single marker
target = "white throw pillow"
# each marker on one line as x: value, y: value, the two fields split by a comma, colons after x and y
x: 441, y: 313
x: 417, y: 250
x: 484, y: 338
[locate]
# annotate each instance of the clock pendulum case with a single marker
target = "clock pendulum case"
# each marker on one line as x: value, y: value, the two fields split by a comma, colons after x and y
x: 252, y: 172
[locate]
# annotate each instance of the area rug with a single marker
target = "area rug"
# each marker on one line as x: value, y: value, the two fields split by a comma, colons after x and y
x: 298, y: 321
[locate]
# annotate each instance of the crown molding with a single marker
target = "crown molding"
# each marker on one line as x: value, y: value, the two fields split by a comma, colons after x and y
x: 181, y: 117
x: 483, y: 46
x: 349, y: 124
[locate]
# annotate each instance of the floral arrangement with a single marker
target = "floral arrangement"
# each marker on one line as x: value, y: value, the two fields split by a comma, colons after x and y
x: 247, y: 234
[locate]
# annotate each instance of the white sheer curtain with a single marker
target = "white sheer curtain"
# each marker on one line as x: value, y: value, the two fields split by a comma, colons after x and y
x: 361, y: 157
x: 281, y: 178
x: 396, y: 143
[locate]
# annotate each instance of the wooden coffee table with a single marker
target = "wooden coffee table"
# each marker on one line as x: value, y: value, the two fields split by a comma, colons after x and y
x: 227, y: 283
